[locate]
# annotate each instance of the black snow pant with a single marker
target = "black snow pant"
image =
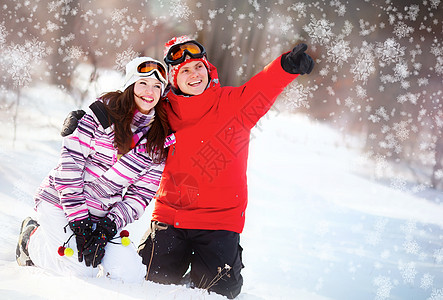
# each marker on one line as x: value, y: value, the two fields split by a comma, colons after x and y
x: 215, y: 257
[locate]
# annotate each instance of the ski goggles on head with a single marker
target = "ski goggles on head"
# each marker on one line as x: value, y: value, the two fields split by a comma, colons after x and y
x: 177, y: 53
x: 147, y: 68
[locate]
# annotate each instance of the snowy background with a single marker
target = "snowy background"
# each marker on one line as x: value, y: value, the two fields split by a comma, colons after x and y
x: 345, y: 172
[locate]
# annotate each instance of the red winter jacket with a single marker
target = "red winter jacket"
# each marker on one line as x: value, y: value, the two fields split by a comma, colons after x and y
x: 204, y: 184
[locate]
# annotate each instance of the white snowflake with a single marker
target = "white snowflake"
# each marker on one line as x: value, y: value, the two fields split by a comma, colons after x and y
x: 339, y: 52
x: 409, y: 228
x: 347, y: 28
x: 3, y: 34
x: 17, y: 58
x: 417, y: 66
x: 408, y: 271
x: 435, y: 3
x: 364, y: 30
x: 363, y: 65
x: 389, y: 51
x: 330, y: 90
x: 412, y: 11
x: 361, y: 92
x: 398, y: 183
x: 422, y: 81
x: 341, y: 10
x: 382, y: 112
x: 437, y: 294
x: 389, y: 142
x: 286, y: 25
x: 439, y: 65
x: 320, y: 31
x: 199, y: 24
x: 300, y: 8
x: 118, y: 15
x: 384, y: 287
x: 255, y: 4
x: 438, y: 174
x: 401, y: 130
x: 295, y: 95
x: 73, y: 53
x: 405, y: 84
x: 374, y: 118
x: 65, y: 39
x: 124, y: 57
x: 411, y: 246
x: 179, y: 10
x: 37, y: 48
x: 426, y: 281
x: 51, y: 26
x: 437, y: 51
x: 413, y: 98
x: 402, y: 30
x: 324, y: 71
x: 53, y: 6
x: 401, y: 70
x: 212, y: 13
x: 88, y: 15
x: 240, y: 71
x: 438, y: 256
x: 387, y: 78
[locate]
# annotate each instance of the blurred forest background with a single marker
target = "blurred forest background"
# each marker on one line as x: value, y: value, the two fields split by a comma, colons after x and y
x: 378, y: 74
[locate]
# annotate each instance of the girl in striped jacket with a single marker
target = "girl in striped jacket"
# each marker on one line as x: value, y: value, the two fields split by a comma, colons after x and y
x: 108, y: 172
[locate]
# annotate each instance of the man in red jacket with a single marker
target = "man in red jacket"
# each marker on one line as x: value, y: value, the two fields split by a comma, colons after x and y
x: 200, y: 205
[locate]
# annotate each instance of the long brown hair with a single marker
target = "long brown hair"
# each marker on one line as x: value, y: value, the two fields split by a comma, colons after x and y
x: 120, y: 107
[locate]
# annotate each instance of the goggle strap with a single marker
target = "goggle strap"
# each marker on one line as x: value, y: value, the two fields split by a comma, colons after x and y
x: 170, y: 60
x: 157, y: 74
x: 154, y: 65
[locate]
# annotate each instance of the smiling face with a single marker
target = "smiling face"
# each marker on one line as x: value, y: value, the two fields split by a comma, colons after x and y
x: 192, y: 78
x: 147, y: 92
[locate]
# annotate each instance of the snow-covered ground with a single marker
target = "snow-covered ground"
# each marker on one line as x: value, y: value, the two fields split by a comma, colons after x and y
x: 315, y: 227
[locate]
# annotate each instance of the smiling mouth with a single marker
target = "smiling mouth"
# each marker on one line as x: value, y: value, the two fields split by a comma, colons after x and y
x: 147, y: 99
x: 195, y: 83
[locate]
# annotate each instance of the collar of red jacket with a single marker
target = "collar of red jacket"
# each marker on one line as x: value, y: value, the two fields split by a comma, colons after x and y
x: 186, y: 110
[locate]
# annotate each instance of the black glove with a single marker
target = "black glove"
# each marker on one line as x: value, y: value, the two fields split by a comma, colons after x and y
x: 83, y: 233
x: 95, y: 248
x: 297, y: 61
x: 71, y: 122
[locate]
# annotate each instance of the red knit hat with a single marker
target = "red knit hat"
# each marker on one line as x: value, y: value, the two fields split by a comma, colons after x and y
x: 173, y: 69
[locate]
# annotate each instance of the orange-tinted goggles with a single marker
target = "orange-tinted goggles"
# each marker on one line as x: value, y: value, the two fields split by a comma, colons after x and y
x: 177, y: 53
x: 153, y: 67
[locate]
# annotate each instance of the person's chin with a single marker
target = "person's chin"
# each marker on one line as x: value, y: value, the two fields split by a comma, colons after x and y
x: 196, y: 89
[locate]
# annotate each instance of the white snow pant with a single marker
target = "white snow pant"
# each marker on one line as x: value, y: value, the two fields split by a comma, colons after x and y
x: 120, y: 262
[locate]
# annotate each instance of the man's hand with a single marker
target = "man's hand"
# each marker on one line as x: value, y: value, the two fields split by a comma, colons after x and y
x: 297, y: 61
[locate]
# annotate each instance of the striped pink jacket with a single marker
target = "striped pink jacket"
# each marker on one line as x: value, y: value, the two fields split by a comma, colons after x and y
x: 90, y: 179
